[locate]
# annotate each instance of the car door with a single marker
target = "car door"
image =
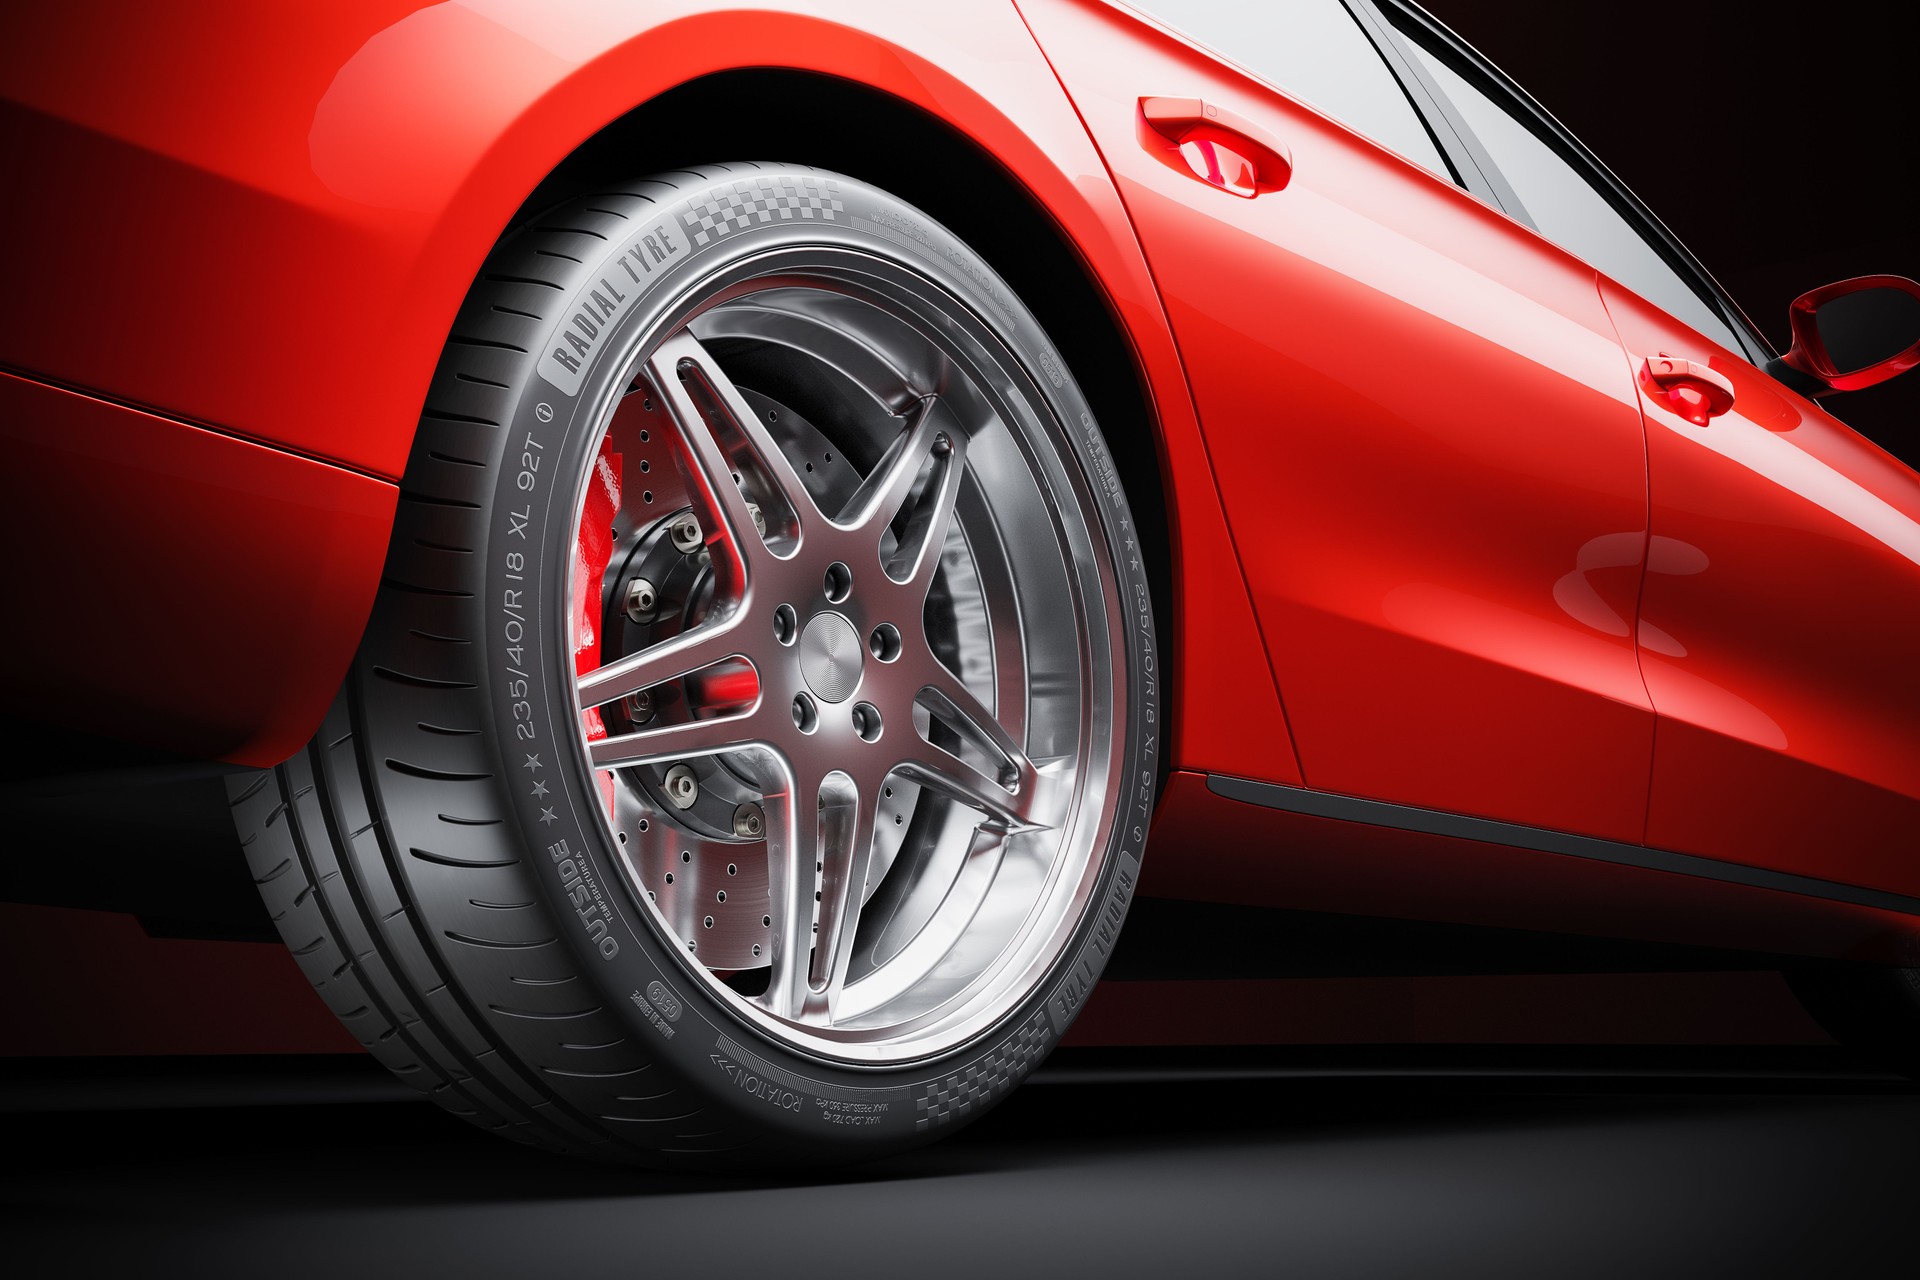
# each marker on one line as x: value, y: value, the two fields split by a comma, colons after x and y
x: 1425, y: 436
x: 1781, y: 614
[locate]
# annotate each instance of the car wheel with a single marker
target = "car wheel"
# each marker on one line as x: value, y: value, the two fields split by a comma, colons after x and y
x: 750, y: 754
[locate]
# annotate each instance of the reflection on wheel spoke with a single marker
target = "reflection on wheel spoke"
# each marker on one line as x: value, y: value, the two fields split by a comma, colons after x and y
x: 845, y: 839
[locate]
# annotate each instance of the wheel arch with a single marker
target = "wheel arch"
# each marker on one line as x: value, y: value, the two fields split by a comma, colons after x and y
x: 394, y: 144
x: 866, y: 133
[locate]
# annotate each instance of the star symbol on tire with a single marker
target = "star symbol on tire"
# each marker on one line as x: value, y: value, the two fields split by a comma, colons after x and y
x: 540, y: 790
x: 533, y: 762
x: 549, y: 817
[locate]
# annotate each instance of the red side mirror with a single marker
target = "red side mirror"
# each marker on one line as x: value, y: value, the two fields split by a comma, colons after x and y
x: 1855, y: 333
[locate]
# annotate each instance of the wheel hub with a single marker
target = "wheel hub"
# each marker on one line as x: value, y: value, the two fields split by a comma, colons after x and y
x: 832, y: 657
x: 836, y: 653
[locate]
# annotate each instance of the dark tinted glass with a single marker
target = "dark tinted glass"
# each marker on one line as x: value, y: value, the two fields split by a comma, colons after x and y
x: 1312, y: 50
x: 1864, y: 328
x: 1569, y: 210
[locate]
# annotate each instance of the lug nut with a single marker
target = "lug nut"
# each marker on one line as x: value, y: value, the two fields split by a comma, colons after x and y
x: 642, y: 600
x: 640, y: 706
x: 686, y: 534
x: 806, y: 713
x: 682, y: 787
x: 748, y: 822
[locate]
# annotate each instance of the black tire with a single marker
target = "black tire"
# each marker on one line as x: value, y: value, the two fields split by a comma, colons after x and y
x: 409, y: 871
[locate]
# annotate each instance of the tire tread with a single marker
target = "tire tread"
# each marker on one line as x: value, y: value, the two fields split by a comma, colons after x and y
x: 497, y: 1032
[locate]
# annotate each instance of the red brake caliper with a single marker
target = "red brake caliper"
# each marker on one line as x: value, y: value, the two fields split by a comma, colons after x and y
x: 593, y: 550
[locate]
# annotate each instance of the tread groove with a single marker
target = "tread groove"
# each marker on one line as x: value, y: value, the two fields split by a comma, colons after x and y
x: 507, y: 1011
x: 418, y: 682
x: 253, y: 789
x: 498, y: 944
x: 498, y: 278
x: 445, y: 860
x: 414, y: 588
x: 434, y: 775
x: 433, y: 500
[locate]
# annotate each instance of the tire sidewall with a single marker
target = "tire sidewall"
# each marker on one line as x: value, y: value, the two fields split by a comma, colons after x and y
x: 673, y: 255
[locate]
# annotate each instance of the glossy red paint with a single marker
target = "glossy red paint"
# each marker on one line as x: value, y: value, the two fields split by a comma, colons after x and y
x: 1509, y: 541
x: 1265, y: 857
x: 308, y: 222
x: 244, y: 575
x: 1215, y: 146
x: 1448, y: 604
x: 1809, y: 353
x: 1777, y: 628
x: 1691, y: 390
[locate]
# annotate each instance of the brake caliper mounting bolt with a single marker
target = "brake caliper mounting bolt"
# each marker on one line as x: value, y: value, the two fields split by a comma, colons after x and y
x: 640, y: 706
x: 749, y: 823
x: 686, y: 534
x: 642, y: 600
x: 682, y: 787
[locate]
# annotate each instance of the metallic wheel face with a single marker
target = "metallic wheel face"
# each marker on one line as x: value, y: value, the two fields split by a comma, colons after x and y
x: 846, y: 662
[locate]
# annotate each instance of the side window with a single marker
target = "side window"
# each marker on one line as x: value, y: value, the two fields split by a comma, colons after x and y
x: 1568, y: 209
x: 1312, y: 50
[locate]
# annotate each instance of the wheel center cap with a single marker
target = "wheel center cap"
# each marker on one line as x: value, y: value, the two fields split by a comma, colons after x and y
x: 831, y: 657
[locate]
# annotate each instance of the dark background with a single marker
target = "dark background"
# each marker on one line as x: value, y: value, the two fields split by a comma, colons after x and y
x: 1777, y: 153
x: 1778, y: 142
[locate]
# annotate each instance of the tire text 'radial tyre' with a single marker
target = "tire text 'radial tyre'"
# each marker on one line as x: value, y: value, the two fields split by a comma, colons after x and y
x: 751, y: 752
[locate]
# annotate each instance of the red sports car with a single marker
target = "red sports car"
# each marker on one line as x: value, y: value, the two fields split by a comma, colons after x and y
x: 711, y: 535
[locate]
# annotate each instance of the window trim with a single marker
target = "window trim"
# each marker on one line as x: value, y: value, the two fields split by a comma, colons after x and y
x: 1451, y: 153
x: 1474, y: 168
x: 1508, y: 94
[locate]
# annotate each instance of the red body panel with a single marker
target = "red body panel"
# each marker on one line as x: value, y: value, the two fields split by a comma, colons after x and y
x: 1778, y: 629
x: 1264, y: 857
x: 310, y: 195
x: 1425, y: 507
x: 241, y: 574
x: 1426, y: 441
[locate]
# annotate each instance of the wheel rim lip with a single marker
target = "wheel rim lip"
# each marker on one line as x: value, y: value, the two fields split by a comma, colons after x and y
x: 913, y: 295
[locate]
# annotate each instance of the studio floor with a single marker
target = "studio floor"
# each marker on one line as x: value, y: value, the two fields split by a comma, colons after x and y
x: 1471, y: 1164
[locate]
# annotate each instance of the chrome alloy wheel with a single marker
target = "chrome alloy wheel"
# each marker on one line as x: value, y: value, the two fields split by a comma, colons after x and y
x: 848, y: 656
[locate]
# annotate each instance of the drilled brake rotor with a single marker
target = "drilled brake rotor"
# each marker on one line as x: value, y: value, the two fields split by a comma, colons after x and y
x: 698, y: 852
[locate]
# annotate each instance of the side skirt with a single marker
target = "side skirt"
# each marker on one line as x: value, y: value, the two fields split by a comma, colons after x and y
x: 1380, y: 813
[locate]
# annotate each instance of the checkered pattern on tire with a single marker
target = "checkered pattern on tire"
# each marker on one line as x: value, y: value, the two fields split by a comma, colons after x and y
x: 746, y: 202
x: 952, y: 1096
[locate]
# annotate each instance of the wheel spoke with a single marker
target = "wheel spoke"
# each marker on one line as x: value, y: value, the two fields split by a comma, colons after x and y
x: 793, y: 843
x: 934, y: 434
x: 846, y: 854
x: 887, y: 653
x: 726, y: 439
x: 682, y: 655
x: 819, y: 840
x: 990, y: 771
x: 907, y: 952
x: 678, y: 741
